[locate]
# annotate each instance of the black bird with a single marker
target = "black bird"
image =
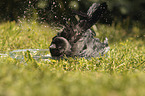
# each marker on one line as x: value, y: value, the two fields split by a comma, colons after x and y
x: 78, y: 40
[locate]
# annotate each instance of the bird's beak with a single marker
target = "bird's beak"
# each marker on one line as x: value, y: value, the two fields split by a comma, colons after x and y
x: 52, y: 46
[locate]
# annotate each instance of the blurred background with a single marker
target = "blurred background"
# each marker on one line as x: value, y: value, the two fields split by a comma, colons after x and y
x: 127, y: 13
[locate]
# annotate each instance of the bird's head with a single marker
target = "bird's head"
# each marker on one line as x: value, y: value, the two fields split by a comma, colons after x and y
x: 59, y: 46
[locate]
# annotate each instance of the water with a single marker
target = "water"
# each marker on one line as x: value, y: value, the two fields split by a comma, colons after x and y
x: 37, y: 54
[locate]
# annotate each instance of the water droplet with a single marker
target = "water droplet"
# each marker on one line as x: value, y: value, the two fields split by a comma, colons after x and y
x: 53, y: 3
x: 60, y: 5
x: 64, y: 18
x: 25, y: 12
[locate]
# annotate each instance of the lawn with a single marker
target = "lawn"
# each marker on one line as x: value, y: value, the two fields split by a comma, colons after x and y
x: 120, y: 73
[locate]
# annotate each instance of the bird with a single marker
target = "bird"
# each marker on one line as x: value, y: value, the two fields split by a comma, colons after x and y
x: 78, y: 40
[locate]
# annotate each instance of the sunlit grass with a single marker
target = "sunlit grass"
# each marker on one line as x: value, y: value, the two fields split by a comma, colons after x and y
x: 121, y: 73
x: 25, y: 35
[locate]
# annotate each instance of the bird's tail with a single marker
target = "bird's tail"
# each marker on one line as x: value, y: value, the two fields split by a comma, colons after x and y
x: 93, y: 15
x: 95, y: 12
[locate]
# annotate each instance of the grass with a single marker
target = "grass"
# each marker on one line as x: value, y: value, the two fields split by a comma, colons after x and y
x: 122, y: 73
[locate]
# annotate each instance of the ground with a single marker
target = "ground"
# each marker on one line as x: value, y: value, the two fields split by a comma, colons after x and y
x: 120, y: 73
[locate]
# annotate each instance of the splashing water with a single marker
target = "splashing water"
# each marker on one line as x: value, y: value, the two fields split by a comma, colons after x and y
x: 35, y: 53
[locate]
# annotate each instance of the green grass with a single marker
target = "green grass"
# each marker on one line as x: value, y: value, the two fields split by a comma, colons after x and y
x: 122, y: 73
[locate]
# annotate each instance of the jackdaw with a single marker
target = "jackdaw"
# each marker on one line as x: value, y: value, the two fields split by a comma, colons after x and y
x: 78, y: 40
